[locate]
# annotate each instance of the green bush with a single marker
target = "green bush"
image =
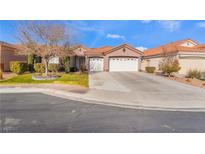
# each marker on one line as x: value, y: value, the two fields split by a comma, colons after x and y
x: 18, y: 67
x: 150, y: 69
x: 53, y: 67
x: 194, y: 74
x: 169, y: 65
x: 39, y: 68
x: 30, y: 60
x: 61, y: 68
x: 67, y: 64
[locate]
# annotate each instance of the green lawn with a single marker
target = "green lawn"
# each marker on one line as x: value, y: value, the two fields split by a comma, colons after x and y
x: 70, y: 78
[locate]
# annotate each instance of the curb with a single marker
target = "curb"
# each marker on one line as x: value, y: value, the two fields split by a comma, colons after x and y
x: 65, y: 95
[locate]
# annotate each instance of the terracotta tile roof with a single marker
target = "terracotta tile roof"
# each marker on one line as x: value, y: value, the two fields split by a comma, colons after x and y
x: 122, y: 46
x: 98, y: 51
x: 174, y: 47
x: 7, y: 44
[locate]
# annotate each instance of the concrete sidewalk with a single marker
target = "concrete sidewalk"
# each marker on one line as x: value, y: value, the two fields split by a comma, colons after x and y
x: 113, y: 98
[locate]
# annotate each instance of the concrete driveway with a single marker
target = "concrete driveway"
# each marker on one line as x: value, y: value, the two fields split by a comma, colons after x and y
x: 146, y: 90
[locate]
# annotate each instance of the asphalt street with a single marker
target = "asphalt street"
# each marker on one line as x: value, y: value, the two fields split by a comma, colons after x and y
x: 40, y: 113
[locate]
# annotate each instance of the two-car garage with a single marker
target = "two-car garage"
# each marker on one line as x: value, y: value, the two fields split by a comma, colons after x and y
x: 116, y: 64
x: 122, y: 58
x: 120, y: 64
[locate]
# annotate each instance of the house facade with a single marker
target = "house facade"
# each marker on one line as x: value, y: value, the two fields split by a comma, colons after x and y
x: 7, y: 54
x: 190, y: 54
x: 121, y: 58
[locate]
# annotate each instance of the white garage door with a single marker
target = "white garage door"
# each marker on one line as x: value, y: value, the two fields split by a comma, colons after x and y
x: 123, y: 64
x: 96, y: 64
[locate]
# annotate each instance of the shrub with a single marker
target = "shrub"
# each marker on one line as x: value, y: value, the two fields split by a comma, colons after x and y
x: 39, y: 68
x: 53, y: 67
x: 61, y: 68
x: 18, y: 67
x: 169, y: 65
x: 73, y: 69
x: 67, y: 64
x: 30, y: 61
x: 194, y: 74
x: 1, y: 75
x: 82, y: 68
x: 150, y: 69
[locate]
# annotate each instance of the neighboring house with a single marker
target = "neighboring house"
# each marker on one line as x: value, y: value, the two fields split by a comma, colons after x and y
x: 190, y: 54
x: 7, y: 54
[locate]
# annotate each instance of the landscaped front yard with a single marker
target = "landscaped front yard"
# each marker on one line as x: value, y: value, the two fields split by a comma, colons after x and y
x: 77, y: 79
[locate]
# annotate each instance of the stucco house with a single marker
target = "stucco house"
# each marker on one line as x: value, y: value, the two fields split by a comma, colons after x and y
x: 190, y: 54
x: 120, y: 58
x: 7, y: 54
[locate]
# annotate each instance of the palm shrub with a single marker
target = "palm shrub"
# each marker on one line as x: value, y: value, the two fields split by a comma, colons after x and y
x: 150, y: 69
x: 39, y: 67
x: 169, y: 65
x: 18, y: 67
x: 194, y: 73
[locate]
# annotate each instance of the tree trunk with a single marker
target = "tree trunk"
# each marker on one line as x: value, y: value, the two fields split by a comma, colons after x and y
x: 46, y: 67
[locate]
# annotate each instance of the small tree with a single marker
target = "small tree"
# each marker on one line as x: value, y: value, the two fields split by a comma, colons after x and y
x: 44, y: 39
x: 169, y: 65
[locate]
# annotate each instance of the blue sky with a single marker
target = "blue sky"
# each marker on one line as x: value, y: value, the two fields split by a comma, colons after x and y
x: 138, y: 33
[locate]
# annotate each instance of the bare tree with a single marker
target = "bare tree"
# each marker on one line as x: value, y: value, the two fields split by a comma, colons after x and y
x: 45, y: 39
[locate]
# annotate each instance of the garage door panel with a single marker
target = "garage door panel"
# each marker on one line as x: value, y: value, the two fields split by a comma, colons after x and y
x: 123, y: 64
x: 96, y: 64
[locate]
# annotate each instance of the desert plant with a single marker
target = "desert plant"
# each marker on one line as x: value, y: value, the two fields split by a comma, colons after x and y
x: 150, y: 69
x: 169, y: 65
x: 194, y: 74
x: 18, y: 67
x: 53, y: 68
x: 39, y: 68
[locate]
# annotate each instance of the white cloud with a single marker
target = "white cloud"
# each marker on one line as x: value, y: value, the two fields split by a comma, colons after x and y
x: 115, y: 36
x: 201, y: 24
x: 146, y: 21
x: 170, y: 25
x: 141, y: 48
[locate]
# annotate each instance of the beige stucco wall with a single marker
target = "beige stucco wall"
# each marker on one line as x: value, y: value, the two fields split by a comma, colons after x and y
x: 7, y: 55
x: 152, y: 62
x: 191, y: 63
x: 119, y: 53
x: 186, y: 63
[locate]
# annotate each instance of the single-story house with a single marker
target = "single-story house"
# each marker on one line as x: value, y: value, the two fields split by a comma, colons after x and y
x: 120, y: 58
x: 7, y: 54
x: 190, y: 54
